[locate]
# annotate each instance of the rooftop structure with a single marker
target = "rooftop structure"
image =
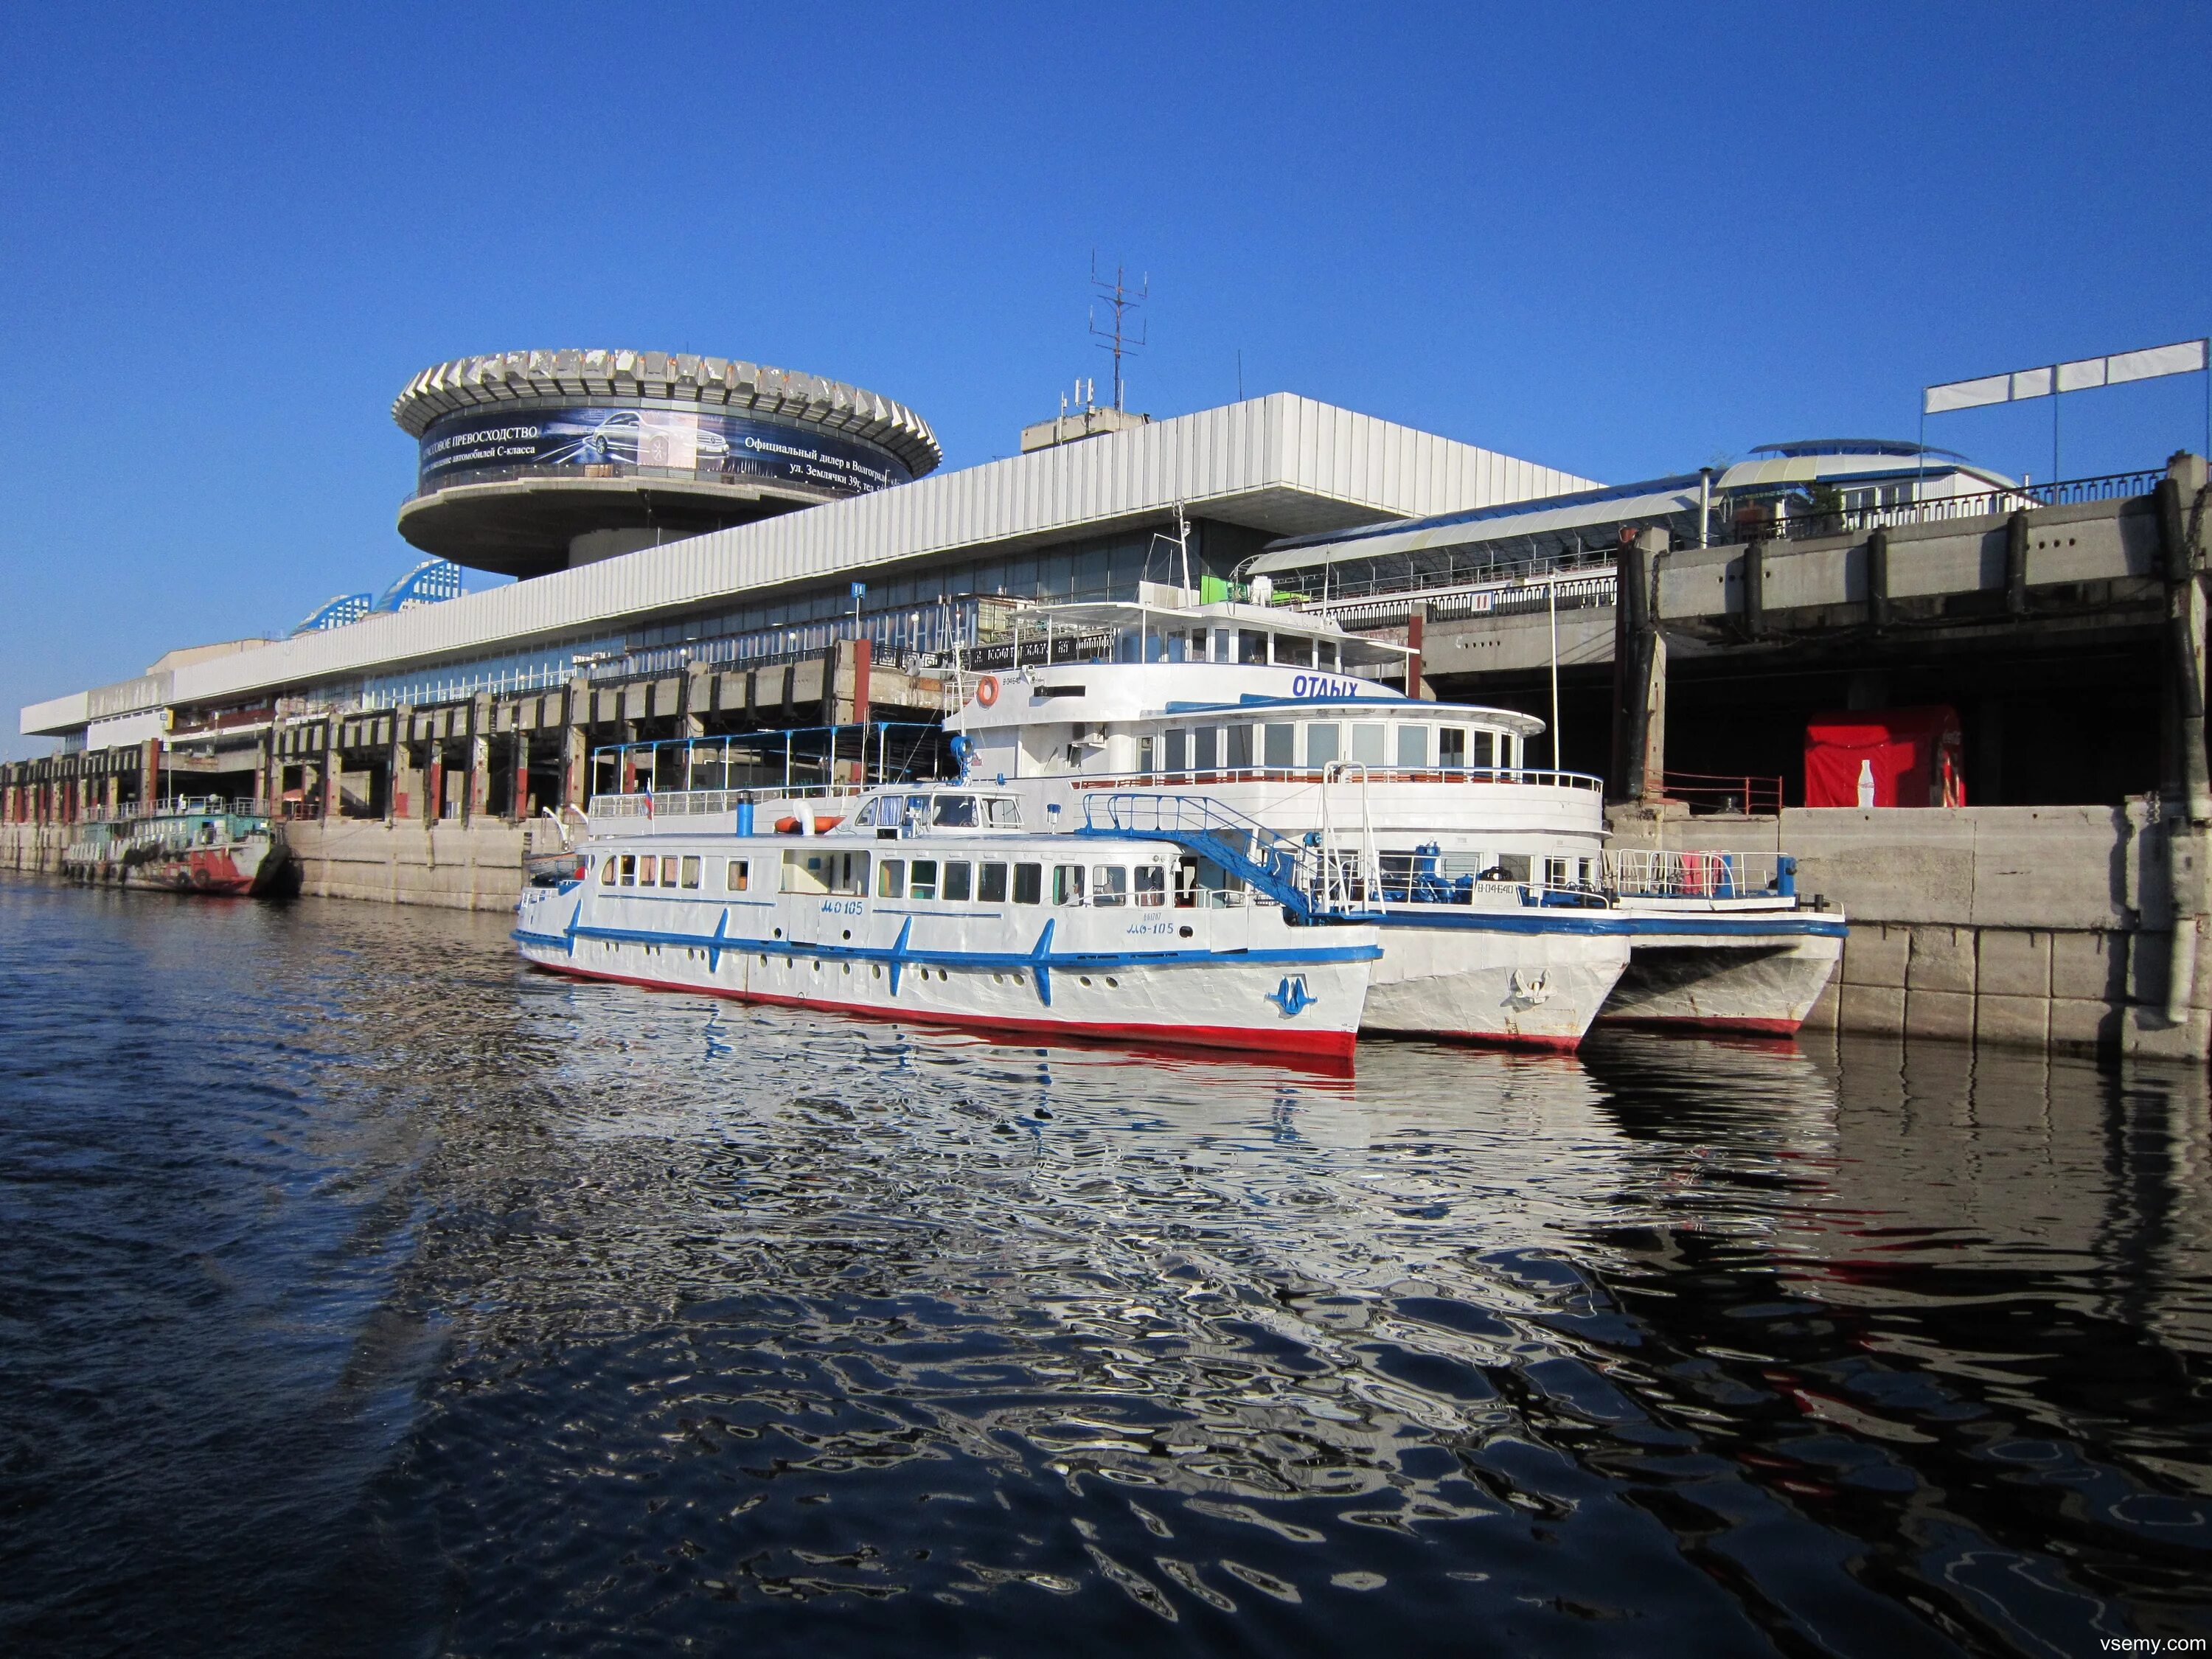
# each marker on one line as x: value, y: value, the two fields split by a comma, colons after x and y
x: 1087, y: 520
x: 532, y: 461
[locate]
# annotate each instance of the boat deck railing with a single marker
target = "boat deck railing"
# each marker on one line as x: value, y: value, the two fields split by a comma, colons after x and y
x: 1335, y: 772
x: 1647, y: 873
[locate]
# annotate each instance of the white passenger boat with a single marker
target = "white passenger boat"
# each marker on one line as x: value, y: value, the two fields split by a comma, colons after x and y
x: 937, y: 904
x: 1505, y: 919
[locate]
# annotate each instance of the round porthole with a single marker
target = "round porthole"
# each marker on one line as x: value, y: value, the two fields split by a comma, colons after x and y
x: 779, y: 933
x: 1113, y: 984
x: 1085, y: 979
x: 1184, y: 932
x: 848, y: 932
x: 879, y: 970
x: 848, y: 966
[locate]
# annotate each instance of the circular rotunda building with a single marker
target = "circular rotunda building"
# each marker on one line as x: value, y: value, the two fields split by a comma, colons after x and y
x: 532, y: 461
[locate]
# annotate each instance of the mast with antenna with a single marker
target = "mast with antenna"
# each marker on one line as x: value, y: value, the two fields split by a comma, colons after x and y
x: 1124, y: 299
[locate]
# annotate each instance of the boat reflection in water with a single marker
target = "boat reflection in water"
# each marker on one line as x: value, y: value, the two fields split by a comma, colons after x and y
x: 587, y: 1316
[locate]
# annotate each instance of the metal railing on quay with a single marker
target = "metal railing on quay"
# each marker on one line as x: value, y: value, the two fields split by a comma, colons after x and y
x: 1847, y: 517
x: 1722, y: 792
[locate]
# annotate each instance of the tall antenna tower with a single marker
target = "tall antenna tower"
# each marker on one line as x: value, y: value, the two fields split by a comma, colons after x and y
x: 1124, y: 300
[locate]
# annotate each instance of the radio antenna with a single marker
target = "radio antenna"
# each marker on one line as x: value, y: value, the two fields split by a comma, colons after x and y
x: 1123, y: 300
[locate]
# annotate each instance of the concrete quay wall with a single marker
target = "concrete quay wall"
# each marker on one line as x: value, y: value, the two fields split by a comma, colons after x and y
x: 457, y: 867
x: 2024, y: 926
x: 476, y: 866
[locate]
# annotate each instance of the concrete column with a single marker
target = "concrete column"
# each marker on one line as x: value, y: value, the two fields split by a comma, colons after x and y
x: 1639, y: 669
x: 478, y: 802
x: 333, y: 772
x: 398, y: 802
x: 114, y: 803
x: 576, y: 746
x: 518, y: 791
x: 149, y: 772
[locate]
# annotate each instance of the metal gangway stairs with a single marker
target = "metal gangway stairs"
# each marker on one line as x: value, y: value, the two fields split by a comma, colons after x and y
x: 1313, y: 878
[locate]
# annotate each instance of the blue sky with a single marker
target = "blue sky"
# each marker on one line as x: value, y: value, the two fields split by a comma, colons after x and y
x: 1622, y: 241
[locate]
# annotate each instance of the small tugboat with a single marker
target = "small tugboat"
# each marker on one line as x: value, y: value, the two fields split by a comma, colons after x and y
x: 200, y: 846
x: 938, y: 905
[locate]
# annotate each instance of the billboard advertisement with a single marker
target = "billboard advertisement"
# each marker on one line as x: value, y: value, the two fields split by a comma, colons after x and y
x: 480, y: 445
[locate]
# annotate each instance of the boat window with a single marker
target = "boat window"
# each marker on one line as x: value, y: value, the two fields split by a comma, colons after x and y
x: 959, y: 882
x: 991, y: 884
x: 1485, y: 749
x: 1559, y: 872
x: 891, y: 879
x: 1178, y: 750
x: 1324, y: 743
x: 866, y: 816
x: 1197, y: 645
x: 1145, y: 756
x: 1067, y: 884
x: 1028, y: 883
x: 922, y: 883
x: 916, y: 817
x: 1151, y: 885
x: 1206, y: 748
x: 1510, y: 866
x: 1367, y: 744
x: 607, y: 872
x: 1294, y: 649
x: 1325, y: 654
x: 629, y: 869
x: 1412, y: 745
x: 668, y: 869
x: 740, y: 876
x: 1110, y: 885
x: 956, y: 812
x: 1240, y: 745
x: 1282, y: 746
x: 1251, y: 645
x: 648, y: 868
x: 690, y: 871
x: 1005, y: 812
x: 1222, y: 645
x: 1510, y: 751
x: 1451, y: 745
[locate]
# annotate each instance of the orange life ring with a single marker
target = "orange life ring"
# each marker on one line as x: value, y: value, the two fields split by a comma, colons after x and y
x: 986, y: 690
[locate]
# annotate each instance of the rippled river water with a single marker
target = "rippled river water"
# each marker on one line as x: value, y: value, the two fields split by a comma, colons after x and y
x: 361, y: 1293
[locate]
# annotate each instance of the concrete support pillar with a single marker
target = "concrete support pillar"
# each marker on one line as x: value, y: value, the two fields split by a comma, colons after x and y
x: 399, y: 801
x: 518, y: 791
x: 1639, y: 674
x: 1754, y: 590
x: 1877, y: 579
x: 115, y: 791
x: 150, y: 773
x: 333, y: 774
x: 696, y: 692
x: 265, y: 797
x: 2181, y: 499
x: 476, y: 803
x: 576, y: 747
